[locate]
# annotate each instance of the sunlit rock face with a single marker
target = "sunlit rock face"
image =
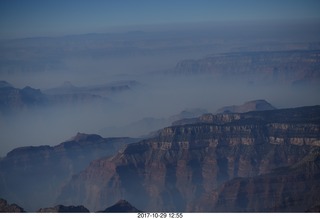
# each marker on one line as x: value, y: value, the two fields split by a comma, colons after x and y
x: 202, y: 165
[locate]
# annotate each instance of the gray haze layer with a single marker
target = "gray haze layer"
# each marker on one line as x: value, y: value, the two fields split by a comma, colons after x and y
x: 164, y: 82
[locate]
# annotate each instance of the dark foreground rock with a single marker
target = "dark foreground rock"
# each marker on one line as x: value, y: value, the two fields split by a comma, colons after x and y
x: 121, y: 206
x: 64, y: 209
x: 33, y: 176
x: 9, y: 208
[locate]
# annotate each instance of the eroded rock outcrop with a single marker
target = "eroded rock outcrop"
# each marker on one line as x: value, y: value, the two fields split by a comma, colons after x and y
x: 64, y: 209
x: 295, y: 66
x: 254, y: 105
x: 174, y: 170
x: 33, y: 176
x: 122, y: 206
x: 5, y: 207
x: 291, y: 189
x: 14, y: 99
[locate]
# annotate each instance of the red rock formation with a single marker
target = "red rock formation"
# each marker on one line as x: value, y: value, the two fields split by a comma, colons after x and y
x: 177, y: 169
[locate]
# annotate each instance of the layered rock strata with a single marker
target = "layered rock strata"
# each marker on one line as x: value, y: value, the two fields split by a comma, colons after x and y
x: 176, y: 169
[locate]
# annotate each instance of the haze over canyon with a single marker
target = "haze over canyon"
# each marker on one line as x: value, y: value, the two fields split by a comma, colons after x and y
x: 206, y: 112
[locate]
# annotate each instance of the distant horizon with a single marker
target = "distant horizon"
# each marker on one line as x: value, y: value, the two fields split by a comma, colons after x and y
x: 180, y: 27
x: 33, y: 18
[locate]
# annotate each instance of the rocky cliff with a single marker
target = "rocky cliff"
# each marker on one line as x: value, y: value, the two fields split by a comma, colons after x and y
x: 254, y: 105
x: 103, y: 90
x: 32, y: 176
x: 147, y: 126
x: 122, y: 206
x: 13, y: 99
x: 9, y: 208
x: 295, y: 66
x: 175, y: 170
x: 294, y: 188
x: 64, y: 209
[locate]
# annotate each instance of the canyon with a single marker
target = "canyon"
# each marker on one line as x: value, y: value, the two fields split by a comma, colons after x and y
x: 295, y: 67
x: 258, y: 161
x: 32, y: 176
x: 215, y: 160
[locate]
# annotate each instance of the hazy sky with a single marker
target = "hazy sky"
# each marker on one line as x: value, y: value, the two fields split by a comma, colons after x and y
x: 20, y: 18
